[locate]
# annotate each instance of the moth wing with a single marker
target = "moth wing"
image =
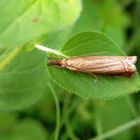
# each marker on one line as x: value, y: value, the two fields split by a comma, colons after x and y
x: 93, y: 64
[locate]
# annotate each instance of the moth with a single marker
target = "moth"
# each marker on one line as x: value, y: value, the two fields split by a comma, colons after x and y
x: 108, y: 65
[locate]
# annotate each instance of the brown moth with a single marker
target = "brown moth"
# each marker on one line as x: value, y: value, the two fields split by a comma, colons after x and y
x: 110, y: 65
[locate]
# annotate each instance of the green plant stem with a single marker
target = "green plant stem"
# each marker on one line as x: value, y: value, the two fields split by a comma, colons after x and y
x: 117, y: 130
x: 57, y: 112
x: 70, y: 132
x: 49, y: 50
x: 66, y: 122
x: 69, y: 110
x: 99, y: 124
x: 65, y: 109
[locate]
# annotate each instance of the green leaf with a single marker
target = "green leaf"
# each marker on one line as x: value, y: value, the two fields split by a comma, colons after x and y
x: 22, y: 81
x: 85, y: 85
x: 23, y: 21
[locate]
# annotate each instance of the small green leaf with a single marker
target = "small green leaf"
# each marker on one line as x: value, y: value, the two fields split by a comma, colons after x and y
x: 85, y: 85
x: 22, y: 81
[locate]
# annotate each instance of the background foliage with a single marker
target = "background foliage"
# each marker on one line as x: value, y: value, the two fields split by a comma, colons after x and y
x: 88, y: 27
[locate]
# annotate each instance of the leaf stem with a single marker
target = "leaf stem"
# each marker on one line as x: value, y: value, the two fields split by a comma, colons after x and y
x: 57, y: 112
x: 49, y: 50
x: 117, y: 130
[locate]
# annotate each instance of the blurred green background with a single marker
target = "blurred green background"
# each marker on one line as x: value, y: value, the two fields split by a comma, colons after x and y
x: 83, y: 119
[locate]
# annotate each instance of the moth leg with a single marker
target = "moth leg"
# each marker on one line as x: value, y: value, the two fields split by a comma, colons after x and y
x: 96, y: 77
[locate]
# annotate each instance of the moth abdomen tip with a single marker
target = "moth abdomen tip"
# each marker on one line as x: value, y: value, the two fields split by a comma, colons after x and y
x: 134, y: 59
